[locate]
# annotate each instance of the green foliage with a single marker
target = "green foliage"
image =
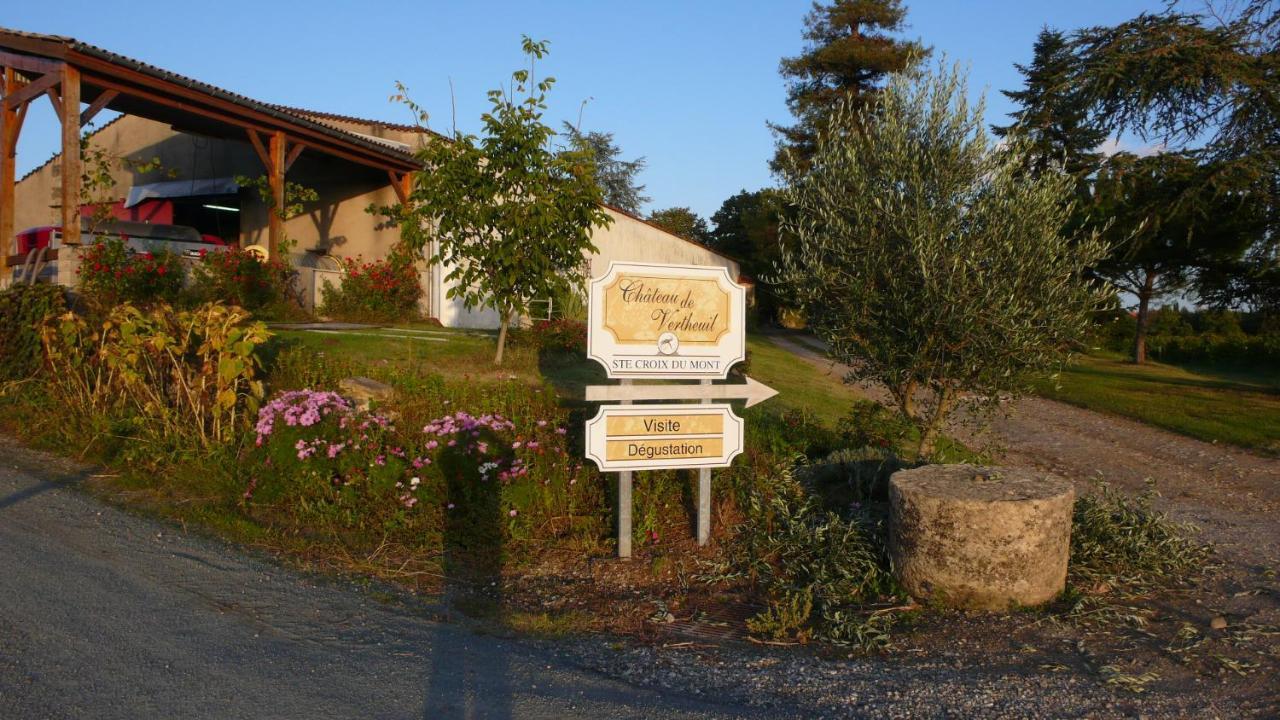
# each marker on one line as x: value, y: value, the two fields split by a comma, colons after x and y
x: 850, y: 51
x: 746, y: 228
x: 683, y: 222
x: 1207, y: 82
x: 560, y: 335
x: 111, y: 273
x: 23, y: 309
x: 927, y: 259
x: 1122, y: 540
x: 380, y: 291
x: 174, y: 375
x: 815, y: 570
x: 239, y: 277
x: 1052, y: 116
x: 511, y: 218
x: 617, y: 177
x: 1164, y: 219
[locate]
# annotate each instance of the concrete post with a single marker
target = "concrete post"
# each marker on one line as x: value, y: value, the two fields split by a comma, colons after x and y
x: 704, y: 495
x: 624, y: 505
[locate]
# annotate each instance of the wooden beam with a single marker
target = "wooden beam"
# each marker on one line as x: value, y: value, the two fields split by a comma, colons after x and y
x: 9, y: 127
x: 258, y: 148
x: 104, y: 98
x: 70, y: 155
x: 23, y: 95
x: 29, y: 63
x: 56, y: 100
x: 294, y: 152
x: 275, y: 227
x: 103, y: 73
x: 402, y: 183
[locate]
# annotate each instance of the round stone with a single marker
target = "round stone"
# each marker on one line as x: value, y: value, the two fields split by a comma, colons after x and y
x: 981, y: 538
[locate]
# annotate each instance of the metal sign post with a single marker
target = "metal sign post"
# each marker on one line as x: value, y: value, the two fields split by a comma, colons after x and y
x: 666, y: 322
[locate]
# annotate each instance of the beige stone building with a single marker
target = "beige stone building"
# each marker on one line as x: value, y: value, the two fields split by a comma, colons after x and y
x: 183, y: 144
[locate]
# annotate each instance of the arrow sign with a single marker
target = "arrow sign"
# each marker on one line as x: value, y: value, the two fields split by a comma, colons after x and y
x: 753, y: 392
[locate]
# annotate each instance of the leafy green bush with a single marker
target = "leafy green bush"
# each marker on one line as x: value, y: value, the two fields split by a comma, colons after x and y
x: 482, y: 480
x: 815, y: 570
x: 560, y: 335
x: 188, y: 377
x: 239, y: 277
x: 870, y: 424
x: 112, y: 273
x: 23, y: 309
x: 1259, y: 351
x: 381, y: 291
x: 1120, y: 539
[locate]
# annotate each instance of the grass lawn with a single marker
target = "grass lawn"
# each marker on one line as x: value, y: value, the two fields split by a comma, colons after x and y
x: 1232, y: 408
x: 458, y: 353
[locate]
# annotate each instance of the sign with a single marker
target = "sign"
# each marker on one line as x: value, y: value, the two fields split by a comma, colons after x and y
x: 656, y: 437
x: 754, y: 392
x: 666, y: 321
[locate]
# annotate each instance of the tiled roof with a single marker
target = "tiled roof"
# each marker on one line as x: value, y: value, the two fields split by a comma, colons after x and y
x: 293, y: 116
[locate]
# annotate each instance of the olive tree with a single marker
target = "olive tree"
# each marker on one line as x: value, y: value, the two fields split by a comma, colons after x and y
x: 926, y: 256
x: 509, y: 215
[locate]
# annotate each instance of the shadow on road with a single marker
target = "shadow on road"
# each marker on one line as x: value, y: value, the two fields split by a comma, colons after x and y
x: 471, y: 679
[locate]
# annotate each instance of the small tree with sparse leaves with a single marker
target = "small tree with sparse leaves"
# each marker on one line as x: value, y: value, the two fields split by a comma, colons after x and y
x: 508, y: 215
x: 928, y: 259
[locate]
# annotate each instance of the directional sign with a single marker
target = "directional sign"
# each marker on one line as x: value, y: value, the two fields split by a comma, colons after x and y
x: 751, y: 391
x: 666, y: 321
x: 655, y: 437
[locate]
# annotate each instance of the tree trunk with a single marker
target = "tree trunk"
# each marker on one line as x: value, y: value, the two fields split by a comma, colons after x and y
x: 1144, y: 318
x: 933, y: 427
x: 502, y: 336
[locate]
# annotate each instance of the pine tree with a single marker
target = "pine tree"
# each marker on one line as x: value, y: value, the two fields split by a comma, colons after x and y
x: 1051, y: 114
x: 616, y: 177
x: 851, y: 51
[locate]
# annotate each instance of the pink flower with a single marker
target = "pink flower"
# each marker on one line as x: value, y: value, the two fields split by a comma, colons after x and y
x: 513, y: 512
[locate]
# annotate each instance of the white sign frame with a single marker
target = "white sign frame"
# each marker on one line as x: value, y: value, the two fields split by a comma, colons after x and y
x: 598, y: 437
x: 647, y: 360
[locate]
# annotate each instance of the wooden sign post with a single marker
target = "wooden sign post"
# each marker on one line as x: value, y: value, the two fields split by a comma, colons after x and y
x: 666, y: 322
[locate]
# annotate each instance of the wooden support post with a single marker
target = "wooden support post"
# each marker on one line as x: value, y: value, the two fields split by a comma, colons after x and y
x: 275, y: 171
x: 624, y: 505
x: 402, y: 183
x: 704, y: 495
x: 8, y: 157
x: 71, y: 170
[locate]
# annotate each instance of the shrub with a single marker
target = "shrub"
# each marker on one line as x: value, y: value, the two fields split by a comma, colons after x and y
x: 23, y: 309
x: 112, y: 274
x: 177, y: 374
x: 321, y: 458
x: 815, y: 570
x: 1239, y: 350
x: 1121, y: 539
x: 239, y: 277
x: 870, y: 424
x: 383, y: 290
x: 560, y: 335
x: 483, y: 480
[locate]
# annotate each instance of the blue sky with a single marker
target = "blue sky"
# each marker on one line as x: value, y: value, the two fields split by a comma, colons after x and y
x: 689, y: 85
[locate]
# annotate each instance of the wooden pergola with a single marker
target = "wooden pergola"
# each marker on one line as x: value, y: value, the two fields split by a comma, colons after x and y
x: 81, y: 80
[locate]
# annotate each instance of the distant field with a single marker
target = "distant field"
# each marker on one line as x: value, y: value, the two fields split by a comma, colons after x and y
x: 1229, y: 407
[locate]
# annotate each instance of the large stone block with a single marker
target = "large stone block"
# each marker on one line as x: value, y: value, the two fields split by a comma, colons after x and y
x: 363, y: 391
x: 982, y: 538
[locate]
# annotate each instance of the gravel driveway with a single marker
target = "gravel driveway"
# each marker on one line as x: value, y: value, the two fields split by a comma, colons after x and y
x: 1233, y: 495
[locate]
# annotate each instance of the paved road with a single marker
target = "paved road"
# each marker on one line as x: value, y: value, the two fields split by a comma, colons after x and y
x: 108, y: 615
